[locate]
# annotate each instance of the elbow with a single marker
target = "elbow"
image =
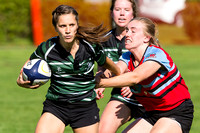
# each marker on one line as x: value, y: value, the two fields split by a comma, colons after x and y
x: 118, y: 72
x: 135, y: 79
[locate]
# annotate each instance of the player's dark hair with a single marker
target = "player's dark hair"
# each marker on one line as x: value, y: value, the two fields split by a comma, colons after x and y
x: 91, y: 34
x: 134, y: 6
x: 63, y: 9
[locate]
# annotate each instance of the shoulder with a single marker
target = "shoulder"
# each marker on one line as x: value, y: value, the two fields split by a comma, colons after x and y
x: 111, y: 38
x: 159, y: 55
x: 153, y: 48
x: 45, y: 47
x: 88, y: 46
x: 155, y: 52
x: 50, y: 42
x: 125, y: 57
x: 111, y: 32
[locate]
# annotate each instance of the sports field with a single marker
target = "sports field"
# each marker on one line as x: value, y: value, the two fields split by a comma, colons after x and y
x: 20, y: 108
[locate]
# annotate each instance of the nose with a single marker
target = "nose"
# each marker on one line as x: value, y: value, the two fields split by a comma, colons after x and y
x: 67, y: 30
x: 121, y: 12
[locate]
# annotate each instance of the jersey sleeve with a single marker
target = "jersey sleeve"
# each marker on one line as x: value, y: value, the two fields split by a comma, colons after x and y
x: 125, y: 57
x: 39, y: 52
x: 160, y: 56
x: 100, y: 55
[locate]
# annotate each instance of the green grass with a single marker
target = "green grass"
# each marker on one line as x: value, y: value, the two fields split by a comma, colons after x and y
x: 21, y: 108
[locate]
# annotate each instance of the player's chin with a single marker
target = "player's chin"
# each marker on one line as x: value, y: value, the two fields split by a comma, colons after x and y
x: 122, y: 25
x: 69, y: 40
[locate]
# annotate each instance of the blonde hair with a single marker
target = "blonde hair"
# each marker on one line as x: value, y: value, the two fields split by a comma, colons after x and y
x: 149, y: 30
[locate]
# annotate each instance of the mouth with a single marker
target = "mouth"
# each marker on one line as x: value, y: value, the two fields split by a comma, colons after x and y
x: 128, y: 41
x: 122, y: 20
x: 67, y: 37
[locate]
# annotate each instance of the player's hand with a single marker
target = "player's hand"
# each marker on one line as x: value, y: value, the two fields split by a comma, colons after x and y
x: 99, y: 75
x: 126, y: 92
x: 25, y: 84
x: 99, y: 92
x: 107, y: 73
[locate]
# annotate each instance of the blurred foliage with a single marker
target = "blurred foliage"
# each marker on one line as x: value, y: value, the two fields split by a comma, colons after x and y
x: 191, y: 18
x: 14, y: 20
x: 192, y: 0
x: 89, y: 14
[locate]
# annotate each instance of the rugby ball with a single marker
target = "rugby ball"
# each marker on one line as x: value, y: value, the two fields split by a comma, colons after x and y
x: 37, y: 71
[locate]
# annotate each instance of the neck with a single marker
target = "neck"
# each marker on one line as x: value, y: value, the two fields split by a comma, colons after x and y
x: 120, y: 32
x: 69, y: 46
x: 139, y: 52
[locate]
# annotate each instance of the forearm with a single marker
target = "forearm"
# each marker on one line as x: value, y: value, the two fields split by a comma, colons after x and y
x: 112, y: 66
x: 141, y: 73
x: 118, y: 81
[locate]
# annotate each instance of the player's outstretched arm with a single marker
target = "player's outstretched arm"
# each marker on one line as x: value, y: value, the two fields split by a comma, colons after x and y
x: 112, y: 66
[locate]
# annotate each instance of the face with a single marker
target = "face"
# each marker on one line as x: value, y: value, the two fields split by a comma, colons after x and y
x: 135, y: 36
x: 67, y: 28
x: 122, y: 12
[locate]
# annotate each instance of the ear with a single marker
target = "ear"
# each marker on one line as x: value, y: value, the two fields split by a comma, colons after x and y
x: 56, y: 29
x: 146, y: 39
x: 111, y: 14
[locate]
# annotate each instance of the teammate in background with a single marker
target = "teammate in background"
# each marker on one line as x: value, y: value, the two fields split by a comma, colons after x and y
x: 119, y: 109
x: 155, y: 81
x: 71, y: 98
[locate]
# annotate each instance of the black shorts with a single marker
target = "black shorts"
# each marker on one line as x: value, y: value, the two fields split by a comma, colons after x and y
x: 78, y: 114
x: 183, y: 114
x: 136, y: 110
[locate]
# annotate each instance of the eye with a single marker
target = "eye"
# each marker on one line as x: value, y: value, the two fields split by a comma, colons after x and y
x: 133, y: 31
x: 126, y: 29
x: 117, y: 9
x: 71, y: 25
x: 127, y: 9
x: 62, y: 26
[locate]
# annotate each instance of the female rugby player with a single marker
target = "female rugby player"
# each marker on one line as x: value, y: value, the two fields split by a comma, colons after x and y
x: 71, y: 99
x: 155, y: 82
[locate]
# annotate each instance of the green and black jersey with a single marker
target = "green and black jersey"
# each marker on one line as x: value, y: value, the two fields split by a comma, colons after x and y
x: 114, y: 48
x: 72, y: 79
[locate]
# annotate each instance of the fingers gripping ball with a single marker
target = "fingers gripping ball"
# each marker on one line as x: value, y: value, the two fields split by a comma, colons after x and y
x: 37, y: 71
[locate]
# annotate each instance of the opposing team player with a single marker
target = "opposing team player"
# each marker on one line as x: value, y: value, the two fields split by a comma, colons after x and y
x: 155, y: 82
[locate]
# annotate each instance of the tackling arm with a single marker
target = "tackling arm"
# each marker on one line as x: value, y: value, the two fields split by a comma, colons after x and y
x: 141, y: 73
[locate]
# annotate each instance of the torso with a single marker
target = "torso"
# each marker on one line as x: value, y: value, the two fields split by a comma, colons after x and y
x: 72, y: 73
x: 165, y: 89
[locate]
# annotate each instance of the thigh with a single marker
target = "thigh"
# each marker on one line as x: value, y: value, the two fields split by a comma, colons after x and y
x: 137, y: 110
x: 114, y: 115
x: 183, y: 114
x: 166, y: 125
x: 48, y: 123
x: 87, y: 129
x: 140, y: 125
x: 84, y: 114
